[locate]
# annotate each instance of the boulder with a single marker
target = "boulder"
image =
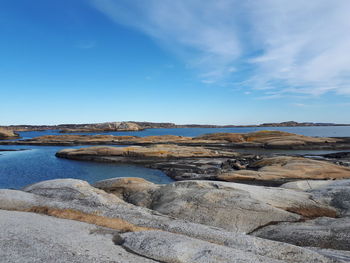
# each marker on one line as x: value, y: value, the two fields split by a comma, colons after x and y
x: 133, y: 190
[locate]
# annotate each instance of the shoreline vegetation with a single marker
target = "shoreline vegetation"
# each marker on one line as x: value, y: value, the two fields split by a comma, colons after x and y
x: 224, y: 206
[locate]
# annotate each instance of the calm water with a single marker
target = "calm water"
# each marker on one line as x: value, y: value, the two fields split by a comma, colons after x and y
x: 20, y: 168
x: 39, y: 163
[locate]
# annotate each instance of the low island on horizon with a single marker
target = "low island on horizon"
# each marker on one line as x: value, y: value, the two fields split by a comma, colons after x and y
x: 137, y: 126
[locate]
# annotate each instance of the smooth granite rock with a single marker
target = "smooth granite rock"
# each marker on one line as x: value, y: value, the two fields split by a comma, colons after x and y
x: 322, y: 232
x: 170, y: 248
x: 140, y: 217
x: 190, y: 199
x: 133, y: 190
x: 28, y: 237
x: 334, y: 193
x: 73, y: 190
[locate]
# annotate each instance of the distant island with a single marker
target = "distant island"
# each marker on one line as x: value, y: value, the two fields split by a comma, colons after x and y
x: 138, y: 126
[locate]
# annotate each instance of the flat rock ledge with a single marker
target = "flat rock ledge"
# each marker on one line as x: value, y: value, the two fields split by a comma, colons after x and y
x: 186, y: 163
x: 68, y: 220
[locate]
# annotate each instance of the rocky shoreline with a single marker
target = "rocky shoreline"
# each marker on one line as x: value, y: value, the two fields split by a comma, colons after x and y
x: 254, y: 140
x: 186, y: 163
x: 225, y: 206
x: 132, y: 220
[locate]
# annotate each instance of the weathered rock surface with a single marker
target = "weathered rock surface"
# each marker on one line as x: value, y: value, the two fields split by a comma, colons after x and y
x: 168, y: 247
x: 235, y: 207
x: 110, y: 213
x: 6, y: 134
x: 29, y: 237
x: 135, y: 190
x: 269, y: 139
x: 333, y: 253
x: 323, y: 232
x: 73, y: 189
x: 183, y: 162
x: 205, y: 203
x: 335, y: 193
x: 138, y: 153
x: 286, y: 168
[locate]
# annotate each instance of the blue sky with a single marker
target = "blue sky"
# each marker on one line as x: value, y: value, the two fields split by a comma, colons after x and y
x: 184, y: 61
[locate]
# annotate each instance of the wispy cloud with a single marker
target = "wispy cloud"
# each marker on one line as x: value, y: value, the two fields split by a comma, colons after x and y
x: 289, y: 46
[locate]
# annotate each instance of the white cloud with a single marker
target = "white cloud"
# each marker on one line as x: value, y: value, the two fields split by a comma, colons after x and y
x: 291, y: 46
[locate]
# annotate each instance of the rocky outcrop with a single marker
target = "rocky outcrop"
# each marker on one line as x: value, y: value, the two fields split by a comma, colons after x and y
x: 231, y: 206
x: 6, y: 134
x: 323, y: 232
x: 261, y: 139
x: 141, y: 154
x: 183, y: 163
x: 268, y: 139
x: 168, y: 247
x: 29, y: 237
x: 73, y: 190
x: 286, y: 168
x: 335, y: 193
x: 87, y: 204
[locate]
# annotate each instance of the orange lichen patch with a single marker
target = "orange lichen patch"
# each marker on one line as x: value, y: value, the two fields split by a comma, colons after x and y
x: 229, y: 137
x: 265, y: 135
x: 164, y: 138
x: 291, y: 168
x: 269, y: 137
x: 114, y: 223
